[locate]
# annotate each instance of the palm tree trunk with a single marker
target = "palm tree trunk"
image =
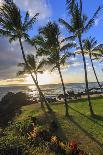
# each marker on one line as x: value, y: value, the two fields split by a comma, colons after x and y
x: 86, y: 77
x: 42, y: 98
x: 42, y: 105
x: 36, y: 78
x: 65, y: 100
x: 95, y: 72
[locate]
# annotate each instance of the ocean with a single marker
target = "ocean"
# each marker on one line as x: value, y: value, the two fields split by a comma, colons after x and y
x: 48, y: 90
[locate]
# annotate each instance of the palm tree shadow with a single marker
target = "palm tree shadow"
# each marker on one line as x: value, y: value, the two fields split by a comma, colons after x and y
x: 98, y: 117
x: 70, y: 118
x: 93, y: 119
x: 59, y: 132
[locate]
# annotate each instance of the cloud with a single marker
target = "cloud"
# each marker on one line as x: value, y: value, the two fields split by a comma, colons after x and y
x: 89, y: 68
x: 35, y: 6
x: 77, y: 64
x: 98, y: 20
x: 1, y: 1
x: 12, y: 81
x: 10, y: 56
x: 73, y: 58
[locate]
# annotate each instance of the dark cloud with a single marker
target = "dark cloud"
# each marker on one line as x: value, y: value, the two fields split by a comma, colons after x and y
x: 10, y: 56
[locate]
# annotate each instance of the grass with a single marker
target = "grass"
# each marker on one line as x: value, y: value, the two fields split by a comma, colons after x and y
x: 87, y: 131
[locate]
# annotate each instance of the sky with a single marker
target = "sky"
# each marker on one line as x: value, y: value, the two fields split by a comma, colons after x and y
x: 10, y: 54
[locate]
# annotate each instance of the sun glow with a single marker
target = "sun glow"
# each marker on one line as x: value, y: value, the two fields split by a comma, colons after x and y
x: 45, y: 78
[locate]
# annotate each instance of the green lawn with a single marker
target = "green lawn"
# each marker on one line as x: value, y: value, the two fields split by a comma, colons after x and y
x: 88, y: 132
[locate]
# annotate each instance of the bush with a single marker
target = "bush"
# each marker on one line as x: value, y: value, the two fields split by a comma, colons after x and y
x: 10, y: 106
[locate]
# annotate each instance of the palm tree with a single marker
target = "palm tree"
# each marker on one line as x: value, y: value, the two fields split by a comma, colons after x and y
x: 79, y: 24
x: 50, y: 45
x: 99, y: 56
x: 13, y: 27
x: 35, y: 66
x: 90, y: 47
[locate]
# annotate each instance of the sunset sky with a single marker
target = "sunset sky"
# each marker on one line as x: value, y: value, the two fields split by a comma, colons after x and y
x: 10, y: 54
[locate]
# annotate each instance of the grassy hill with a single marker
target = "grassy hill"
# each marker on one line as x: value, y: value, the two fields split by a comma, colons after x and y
x: 87, y: 131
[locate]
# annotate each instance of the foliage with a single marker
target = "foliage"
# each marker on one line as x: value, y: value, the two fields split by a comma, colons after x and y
x: 30, y: 137
x: 12, y: 24
x: 91, y: 47
x: 51, y: 46
x: 35, y: 66
x: 10, y: 106
x: 79, y: 22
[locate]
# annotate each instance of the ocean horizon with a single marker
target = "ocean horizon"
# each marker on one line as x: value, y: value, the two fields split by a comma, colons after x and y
x: 48, y: 89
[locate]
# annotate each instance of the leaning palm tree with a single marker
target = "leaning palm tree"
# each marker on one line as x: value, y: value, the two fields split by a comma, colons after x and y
x: 94, y: 51
x: 35, y: 67
x: 50, y: 45
x: 13, y: 27
x: 99, y: 57
x: 90, y: 47
x: 79, y: 24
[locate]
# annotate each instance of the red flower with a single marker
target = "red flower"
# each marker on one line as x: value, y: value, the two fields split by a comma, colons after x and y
x: 80, y: 152
x: 73, y: 144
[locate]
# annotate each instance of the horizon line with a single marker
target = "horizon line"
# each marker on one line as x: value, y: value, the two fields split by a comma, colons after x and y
x: 47, y: 84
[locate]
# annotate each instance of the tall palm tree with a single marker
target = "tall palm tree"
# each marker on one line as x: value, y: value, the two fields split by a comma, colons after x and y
x: 51, y: 46
x: 90, y: 47
x: 79, y: 24
x: 13, y: 27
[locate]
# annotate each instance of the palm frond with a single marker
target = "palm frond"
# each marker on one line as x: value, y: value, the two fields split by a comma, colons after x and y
x: 63, y: 59
x: 26, y: 18
x: 42, y: 51
x: 67, y: 25
x: 81, y: 7
x: 67, y: 46
x: 41, y: 72
x: 53, y: 68
x: 80, y: 52
x: 13, y: 38
x: 21, y: 65
x: 98, y: 48
x: 38, y: 40
x: 28, y: 25
x: 5, y: 33
x: 92, y: 20
x: 70, y: 5
x: 20, y: 73
x: 40, y: 65
x: 12, y: 24
x: 32, y: 61
x: 70, y: 38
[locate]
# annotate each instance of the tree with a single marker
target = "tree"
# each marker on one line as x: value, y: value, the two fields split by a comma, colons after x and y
x: 13, y: 27
x: 79, y: 24
x: 50, y: 45
x: 99, y: 56
x: 90, y: 47
x: 35, y: 65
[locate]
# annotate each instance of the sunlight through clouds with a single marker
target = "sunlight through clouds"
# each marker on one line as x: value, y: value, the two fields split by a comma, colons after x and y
x: 45, y: 78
